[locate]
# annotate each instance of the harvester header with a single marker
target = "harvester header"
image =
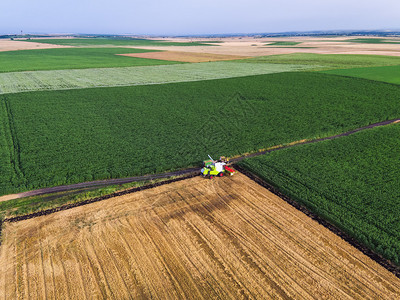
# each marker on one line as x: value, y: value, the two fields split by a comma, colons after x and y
x: 212, y: 168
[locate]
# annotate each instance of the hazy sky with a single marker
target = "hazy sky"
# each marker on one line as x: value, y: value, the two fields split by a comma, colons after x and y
x: 179, y: 17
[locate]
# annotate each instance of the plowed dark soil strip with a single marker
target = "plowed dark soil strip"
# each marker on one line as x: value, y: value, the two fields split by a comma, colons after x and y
x: 376, y: 257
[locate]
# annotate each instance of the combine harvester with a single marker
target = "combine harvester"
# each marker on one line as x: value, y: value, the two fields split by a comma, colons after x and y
x: 214, y: 168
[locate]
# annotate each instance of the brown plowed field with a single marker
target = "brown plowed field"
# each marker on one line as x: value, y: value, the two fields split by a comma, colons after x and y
x: 185, y: 56
x: 197, y: 238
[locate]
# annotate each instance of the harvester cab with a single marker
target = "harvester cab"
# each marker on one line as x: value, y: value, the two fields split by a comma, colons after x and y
x: 212, y: 168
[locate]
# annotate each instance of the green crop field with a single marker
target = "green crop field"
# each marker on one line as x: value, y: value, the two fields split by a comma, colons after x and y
x: 120, y: 42
x: 15, y: 82
x: 352, y: 181
x: 328, y: 61
x: 390, y: 74
x: 374, y: 41
x: 283, y: 43
x: 60, y: 137
x: 73, y: 58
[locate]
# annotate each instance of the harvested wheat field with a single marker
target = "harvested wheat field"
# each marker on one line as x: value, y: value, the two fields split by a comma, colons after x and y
x: 185, y: 56
x: 9, y: 45
x: 197, y: 238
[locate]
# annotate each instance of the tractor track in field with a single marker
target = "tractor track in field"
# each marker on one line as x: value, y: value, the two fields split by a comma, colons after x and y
x: 100, y: 183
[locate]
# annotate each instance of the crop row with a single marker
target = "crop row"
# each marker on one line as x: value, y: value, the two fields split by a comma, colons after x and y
x: 352, y: 181
x: 61, y: 137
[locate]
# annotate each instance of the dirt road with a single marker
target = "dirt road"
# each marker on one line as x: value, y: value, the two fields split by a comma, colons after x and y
x: 225, y: 238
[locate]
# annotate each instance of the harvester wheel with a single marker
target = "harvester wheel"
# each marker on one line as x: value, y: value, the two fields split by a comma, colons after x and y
x: 211, y: 177
x: 221, y: 174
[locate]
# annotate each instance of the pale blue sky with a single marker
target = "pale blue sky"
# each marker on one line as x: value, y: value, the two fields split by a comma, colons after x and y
x: 180, y: 17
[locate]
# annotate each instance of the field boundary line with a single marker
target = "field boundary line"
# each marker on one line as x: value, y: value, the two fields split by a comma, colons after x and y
x: 331, y: 227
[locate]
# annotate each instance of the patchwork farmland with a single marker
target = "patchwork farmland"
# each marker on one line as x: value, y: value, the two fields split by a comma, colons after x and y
x: 108, y: 109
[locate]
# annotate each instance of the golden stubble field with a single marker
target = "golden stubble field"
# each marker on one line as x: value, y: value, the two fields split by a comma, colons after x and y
x: 224, y: 238
x: 9, y: 45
